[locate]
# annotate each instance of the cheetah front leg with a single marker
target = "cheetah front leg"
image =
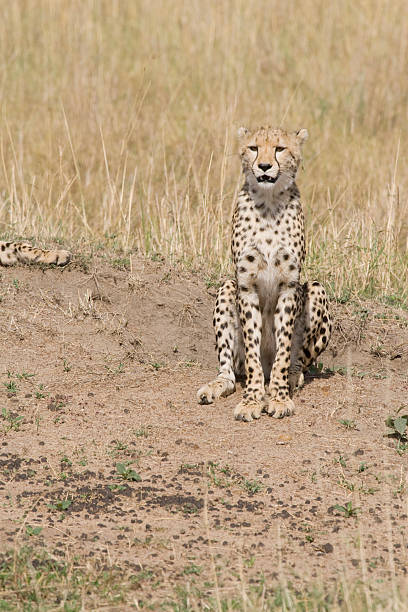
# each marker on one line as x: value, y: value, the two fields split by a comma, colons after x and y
x: 288, y: 308
x: 251, y: 406
x: 228, y: 341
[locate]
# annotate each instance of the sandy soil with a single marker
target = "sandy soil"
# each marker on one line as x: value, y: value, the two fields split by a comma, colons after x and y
x: 99, y: 372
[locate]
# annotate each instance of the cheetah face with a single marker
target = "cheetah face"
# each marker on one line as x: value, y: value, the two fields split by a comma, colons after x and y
x: 270, y: 157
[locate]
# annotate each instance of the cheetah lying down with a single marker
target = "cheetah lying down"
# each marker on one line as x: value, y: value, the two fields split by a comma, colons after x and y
x: 23, y: 252
x: 267, y: 325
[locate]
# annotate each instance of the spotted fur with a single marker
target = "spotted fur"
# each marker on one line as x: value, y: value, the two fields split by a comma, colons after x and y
x: 23, y: 252
x: 268, y: 326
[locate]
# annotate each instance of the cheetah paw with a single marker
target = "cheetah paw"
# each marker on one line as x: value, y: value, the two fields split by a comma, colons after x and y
x: 220, y: 387
x: 247, y: 410
x: 279, y: 409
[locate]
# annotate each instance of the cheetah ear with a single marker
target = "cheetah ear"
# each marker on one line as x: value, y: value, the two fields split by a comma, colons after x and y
x: 242, y: 132
x: 302, y: 135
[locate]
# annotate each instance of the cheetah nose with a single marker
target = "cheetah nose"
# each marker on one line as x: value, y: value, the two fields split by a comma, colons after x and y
x: 264, y: 167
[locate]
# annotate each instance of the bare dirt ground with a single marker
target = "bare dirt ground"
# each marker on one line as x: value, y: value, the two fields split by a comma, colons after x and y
x: 106, y: 458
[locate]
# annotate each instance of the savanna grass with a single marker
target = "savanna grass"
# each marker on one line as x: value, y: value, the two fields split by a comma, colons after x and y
x: 118, y: 118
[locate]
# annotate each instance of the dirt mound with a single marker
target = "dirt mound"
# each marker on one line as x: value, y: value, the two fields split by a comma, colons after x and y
x: 105, y: 448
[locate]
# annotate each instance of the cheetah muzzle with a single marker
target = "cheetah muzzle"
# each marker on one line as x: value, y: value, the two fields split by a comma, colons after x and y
x: 268, y: 326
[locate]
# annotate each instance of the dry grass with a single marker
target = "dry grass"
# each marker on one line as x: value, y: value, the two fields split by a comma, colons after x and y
x: 119, y: 118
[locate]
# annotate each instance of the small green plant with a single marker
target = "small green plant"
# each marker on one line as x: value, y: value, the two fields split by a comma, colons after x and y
x: 116, y: 487
x: 192, y: 569
x: 341, y: 460
x: 398, y: 426
x: 347, y: 509
x: 16, y: 284
x: 156, y: 365
x: 143, y: 431
x: 13, y: 421
x: 39, y: 394
x: 348, y: 424
x: 118, y: 370
x: 11, y: 386
x: 347, y: 484
x: 362, y: 467
x: 250, y: 562
x: 30, y: 531
x: 121, y: 263
x: 61, y: 504
x: 24, y: 376
x: 125, y: 472
x: 252, y: 486
x: 119, y: 446
x: 67, y: 366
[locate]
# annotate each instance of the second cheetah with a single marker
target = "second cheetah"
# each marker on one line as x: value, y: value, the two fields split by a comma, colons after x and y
x: 267, y: 325
x: 13, y: 252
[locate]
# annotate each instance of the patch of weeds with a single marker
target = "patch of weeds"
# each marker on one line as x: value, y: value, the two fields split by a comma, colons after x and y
x: 33, y: 531
x: 39, y: 394
x: 192, y: 569
x: 121, y: 263
x: 33, y: 579
x: 347, y: 510
x: 224, y: 477
x: 368, y: 490
x: 127, y: 473
x: 57, y: 403
x: 13, y: 420
x: 362, y: 467
x: 190, y: 508
x: 347, y: 484
x: 116, y: 487
x: 189, y: 363
x: 319, y: 370
x: 118, y: 370
x: 156, y: 365
x: 60, y: 504
x: 341, y: 460
x: 11, y: 387
x: 194, y: 469
x: 348, y: 424
x: 212, y: 281
x: 252, y: 486
x: 250, y: 562
x: 156, y: 257
x: 24, y: 376
x: 142, y: 432
x: 398, y: 425
x: 119, y: 446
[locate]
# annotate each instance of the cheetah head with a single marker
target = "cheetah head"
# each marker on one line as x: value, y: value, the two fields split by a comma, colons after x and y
x: 270, y: 157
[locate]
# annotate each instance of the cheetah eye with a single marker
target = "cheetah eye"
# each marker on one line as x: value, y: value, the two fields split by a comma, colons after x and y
x: 253, y: 149
x: 279, y: 149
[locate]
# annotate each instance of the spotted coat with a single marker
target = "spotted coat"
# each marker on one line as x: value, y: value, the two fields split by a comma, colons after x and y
x: 268, y: 326
x: 23, y: 252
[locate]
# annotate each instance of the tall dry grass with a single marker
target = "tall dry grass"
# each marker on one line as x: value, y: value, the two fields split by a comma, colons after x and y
x: 119, y: 117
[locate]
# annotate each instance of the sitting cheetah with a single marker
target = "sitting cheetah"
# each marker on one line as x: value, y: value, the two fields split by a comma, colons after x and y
x: 22, y: 252
x: 264, y: 318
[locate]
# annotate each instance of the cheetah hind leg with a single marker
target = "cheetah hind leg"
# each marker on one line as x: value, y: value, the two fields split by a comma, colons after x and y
x: 312, y: 333
x: 229, y: 346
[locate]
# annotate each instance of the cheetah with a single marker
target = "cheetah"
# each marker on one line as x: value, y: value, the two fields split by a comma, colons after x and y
x: 268, y: 326
x: 23, y: 252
